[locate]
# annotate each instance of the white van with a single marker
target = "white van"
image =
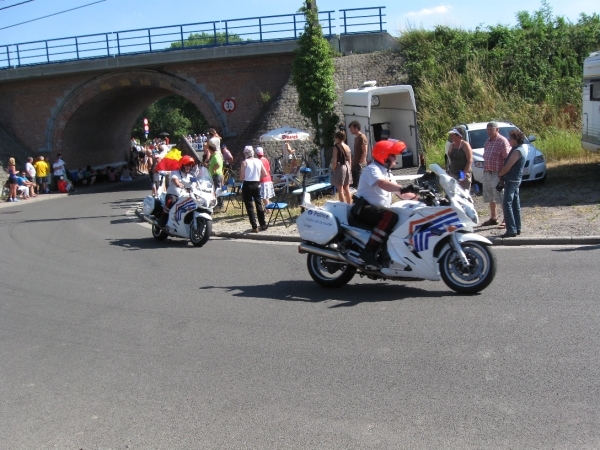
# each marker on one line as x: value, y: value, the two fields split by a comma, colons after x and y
x: 385, y: 112
x: 590, y: 133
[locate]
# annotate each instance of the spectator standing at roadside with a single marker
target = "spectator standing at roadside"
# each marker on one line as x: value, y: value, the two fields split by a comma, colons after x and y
x: 460, y: 159
x: 341, y: 163
x: 495, y: 150
x: 13, y: 184
x: 227, y: 156
x: 214, y: 137
x: 512, y: 174
x: 251, y: 171
x: 215, y: 168
x: 267, y: 191
x: 58, y: 170
x: 42, y: 170
x: 31, y: 172
x: 359, y: 158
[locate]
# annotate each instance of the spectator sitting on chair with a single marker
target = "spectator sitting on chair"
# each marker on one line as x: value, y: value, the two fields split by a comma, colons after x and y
x: 24, y: 182
x: 125, y: 176
x: 112, y: 174
x: 82, y: 178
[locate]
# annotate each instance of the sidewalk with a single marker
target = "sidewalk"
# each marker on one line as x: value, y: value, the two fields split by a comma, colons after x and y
x: 510, y: 242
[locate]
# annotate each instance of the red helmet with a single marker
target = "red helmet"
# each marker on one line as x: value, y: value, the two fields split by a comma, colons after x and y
x: 383, y: 149
x: 187, y: 161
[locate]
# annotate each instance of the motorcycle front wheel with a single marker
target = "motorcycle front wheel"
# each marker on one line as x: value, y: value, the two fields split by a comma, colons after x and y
x: 200, y: 231
x: 329, y: 273
x: 158, y: 233
x: 475, y: 276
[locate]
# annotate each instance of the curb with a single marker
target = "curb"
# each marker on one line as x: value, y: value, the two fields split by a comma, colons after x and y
x: 546, y: 240
x: 497, y: 241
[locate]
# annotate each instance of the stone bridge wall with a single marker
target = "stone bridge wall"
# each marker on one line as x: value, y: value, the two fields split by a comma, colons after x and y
x: 89, y: 117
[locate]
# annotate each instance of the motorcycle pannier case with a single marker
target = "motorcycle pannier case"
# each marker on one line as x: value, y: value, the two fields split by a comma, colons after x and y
x: 318, y: 226
x: 151, y: 205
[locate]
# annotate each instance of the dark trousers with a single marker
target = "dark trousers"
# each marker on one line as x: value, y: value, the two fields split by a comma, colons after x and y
x: 251, y: 197
x: 356, y: 172
x: 383, y: 219
x: 218, y: 184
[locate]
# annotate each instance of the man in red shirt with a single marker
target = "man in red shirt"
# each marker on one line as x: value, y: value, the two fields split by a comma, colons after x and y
x: 495, y: 151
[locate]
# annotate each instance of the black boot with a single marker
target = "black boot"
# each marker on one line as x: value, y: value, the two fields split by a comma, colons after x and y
x: 370, y: 260
x: 163, y: 219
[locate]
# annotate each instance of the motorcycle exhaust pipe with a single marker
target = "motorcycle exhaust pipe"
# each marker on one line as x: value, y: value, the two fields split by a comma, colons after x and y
x: 336, y: 256
x: 329, y: 254
x: 149, y: 220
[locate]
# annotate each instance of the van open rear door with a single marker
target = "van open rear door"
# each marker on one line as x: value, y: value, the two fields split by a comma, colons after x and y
x: 385, y: 112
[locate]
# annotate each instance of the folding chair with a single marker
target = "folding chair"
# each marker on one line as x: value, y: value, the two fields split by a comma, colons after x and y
x: 277, y: 209
x: 230, y: 193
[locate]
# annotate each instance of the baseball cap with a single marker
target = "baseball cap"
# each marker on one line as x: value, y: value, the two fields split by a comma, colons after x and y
x: 260, y: 151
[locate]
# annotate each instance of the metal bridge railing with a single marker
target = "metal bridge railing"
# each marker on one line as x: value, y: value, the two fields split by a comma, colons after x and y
x: 177, y: 37
x: 354, y: 20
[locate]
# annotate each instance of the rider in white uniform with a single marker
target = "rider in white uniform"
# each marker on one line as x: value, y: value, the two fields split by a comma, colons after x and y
x: 180, y: 179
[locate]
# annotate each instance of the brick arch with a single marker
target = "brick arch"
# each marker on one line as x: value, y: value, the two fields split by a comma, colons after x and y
x: 92, y: 125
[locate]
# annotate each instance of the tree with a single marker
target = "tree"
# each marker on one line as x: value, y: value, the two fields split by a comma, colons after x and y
x: 312, y: 74
x: 175, y: 115
x: 204, y: 39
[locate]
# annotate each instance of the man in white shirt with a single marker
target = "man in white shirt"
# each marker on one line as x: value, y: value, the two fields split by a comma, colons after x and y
x: 374, y: 197
x: 30, y: 171
x: 57, y: 171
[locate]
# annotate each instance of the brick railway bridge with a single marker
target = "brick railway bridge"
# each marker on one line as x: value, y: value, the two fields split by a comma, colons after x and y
x: 86, y: 108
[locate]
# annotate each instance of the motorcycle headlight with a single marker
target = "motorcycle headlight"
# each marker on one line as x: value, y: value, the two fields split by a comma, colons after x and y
x: 538, y: 159
x: 201, y: 201
x: 471, y: 213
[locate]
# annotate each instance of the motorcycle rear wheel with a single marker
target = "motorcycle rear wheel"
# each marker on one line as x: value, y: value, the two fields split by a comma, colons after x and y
x: 329, y: 273
x: 200, y: 231
x: 473, y: 278
x: 158, y: 233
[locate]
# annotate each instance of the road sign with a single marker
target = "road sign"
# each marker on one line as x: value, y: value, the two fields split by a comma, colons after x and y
x: 228, y: 105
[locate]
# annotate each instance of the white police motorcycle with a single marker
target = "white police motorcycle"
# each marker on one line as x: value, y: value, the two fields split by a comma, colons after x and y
x: 433, y: 238
x: 191, y: 215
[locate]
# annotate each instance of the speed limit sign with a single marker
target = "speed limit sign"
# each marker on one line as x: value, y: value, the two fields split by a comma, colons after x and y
x: 228, y: 105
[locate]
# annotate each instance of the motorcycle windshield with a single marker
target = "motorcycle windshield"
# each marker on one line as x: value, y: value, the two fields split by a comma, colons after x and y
x: 203, y: 178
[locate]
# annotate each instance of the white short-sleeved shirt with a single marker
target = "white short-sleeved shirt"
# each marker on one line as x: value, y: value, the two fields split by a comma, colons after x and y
x: 183, y: 177
x: 367, y: 188
x: 30, y: 170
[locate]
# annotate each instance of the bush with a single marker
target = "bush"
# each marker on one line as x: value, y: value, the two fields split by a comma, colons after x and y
x: 529, y: 74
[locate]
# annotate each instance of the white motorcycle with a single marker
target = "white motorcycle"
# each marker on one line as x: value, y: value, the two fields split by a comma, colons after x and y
x: 190, y: 217
x: 433, y: 239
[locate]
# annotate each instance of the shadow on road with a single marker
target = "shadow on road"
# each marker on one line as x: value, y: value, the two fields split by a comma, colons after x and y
x: 149, y: 243
x: 578, y: 249
x: 310, y: 292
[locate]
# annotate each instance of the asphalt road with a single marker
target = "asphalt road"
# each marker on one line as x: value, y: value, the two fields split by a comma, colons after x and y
x: 109, y: 339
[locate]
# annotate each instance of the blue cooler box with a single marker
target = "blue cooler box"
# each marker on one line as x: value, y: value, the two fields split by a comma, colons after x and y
x: 407, y: 158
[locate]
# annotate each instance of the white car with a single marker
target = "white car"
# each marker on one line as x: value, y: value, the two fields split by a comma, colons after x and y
x: 476, y: 135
